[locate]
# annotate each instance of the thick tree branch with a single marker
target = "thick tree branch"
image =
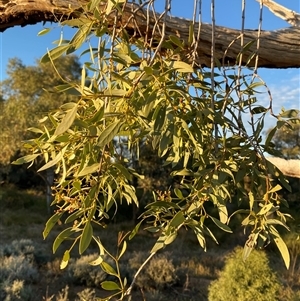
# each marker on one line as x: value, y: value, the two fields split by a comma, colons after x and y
x: 278, y: 49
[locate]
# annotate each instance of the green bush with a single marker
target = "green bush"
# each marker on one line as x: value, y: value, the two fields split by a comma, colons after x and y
x: 245, y: 281
x: 80, y: 272
x: 158, y: 274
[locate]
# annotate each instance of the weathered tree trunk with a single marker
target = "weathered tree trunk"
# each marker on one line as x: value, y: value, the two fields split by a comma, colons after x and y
x: 290, y: 168
x: 278, y: 49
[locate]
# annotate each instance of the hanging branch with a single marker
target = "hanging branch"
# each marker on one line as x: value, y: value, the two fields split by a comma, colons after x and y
x: 278, y: 49
x: 282, y: 12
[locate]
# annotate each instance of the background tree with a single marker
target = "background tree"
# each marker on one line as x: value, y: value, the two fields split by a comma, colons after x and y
x: 287, y: 141
x: 27, y: 95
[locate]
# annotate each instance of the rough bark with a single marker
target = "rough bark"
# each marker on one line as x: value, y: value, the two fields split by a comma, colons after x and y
x: 278, y: 49
x: 290, y: 168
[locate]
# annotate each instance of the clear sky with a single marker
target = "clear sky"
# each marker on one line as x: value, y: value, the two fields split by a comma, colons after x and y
x: 23, y: 42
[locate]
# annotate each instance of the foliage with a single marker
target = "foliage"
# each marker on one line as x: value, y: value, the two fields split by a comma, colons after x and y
x: 192, y: 119
x: 159, y: 274
x: 287, y: 140
x: 252, y: 279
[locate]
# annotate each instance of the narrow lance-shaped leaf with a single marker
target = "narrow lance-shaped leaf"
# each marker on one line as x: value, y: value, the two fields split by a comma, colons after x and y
x: 67, y: 121
x: 109, y: 133
x: 65, y: 234
x: 51, y: 222
x: 281, y: 246
x: 57, y: 158
x: 86, y: 237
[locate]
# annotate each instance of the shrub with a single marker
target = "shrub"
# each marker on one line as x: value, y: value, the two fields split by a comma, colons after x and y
x: 87, y: 294
x: 17, y: 268
x: 158, y: 274
x: 245, y: 281
x: 18, y: 247
x: 63, y: 294
x: 16, y: 290
x: 81, y: 272
x: 26, y: 248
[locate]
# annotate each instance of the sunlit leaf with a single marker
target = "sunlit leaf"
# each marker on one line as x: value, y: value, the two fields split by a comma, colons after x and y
x: 44, y: 31
x: 110, y: 286
x: 67, y: 121
x: 65, y: 260
x: 220, y: 224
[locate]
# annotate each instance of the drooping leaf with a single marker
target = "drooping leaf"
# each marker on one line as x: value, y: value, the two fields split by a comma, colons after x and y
x: 25, y: 159
x: 220, y: 224
x: 51, y: 222
x: 65, y: 234
x: 281, y: 247
x: 53, y: 162
x: 86, y: 237
x: 54, y: 53
x: 67, y: 121
x: 109, y: 132
x: 65, y: 260
x: 107, y: 268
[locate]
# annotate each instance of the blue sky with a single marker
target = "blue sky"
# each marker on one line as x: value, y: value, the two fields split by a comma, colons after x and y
x: 284, y: 84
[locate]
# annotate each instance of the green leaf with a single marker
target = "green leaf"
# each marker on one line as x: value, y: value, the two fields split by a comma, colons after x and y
x: 182, y: 67
x: 80, y: 36
x: 178, y: 193
x: 65, y: 234
x: 54, y: 53
x: 160, y: 119
x: 86, y: 237
x: 109, y: 133
x: 53, y: 162
x: 65, y: 260
x: 160, y: 243
x: 88, y: 170
x: 169, y: 239
x: 50, y: 223
x: 75, y: 215
x: 135, y: 230
x: 177, y: 220
x: 107, y: 268
x: 124, y: 247
x: 220, y: 224
x: 223, y: 213
x: 25, y: 159
x: 110, y: 286
x: 44, y: 31
x: 282, y: 248
x: 67, y: 121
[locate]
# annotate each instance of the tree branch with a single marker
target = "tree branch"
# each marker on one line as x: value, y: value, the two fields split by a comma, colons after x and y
x: 278, y: 49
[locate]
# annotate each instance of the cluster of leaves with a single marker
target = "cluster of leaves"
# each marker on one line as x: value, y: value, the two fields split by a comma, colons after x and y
x: 248, y: 280
x: 193, y: 121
